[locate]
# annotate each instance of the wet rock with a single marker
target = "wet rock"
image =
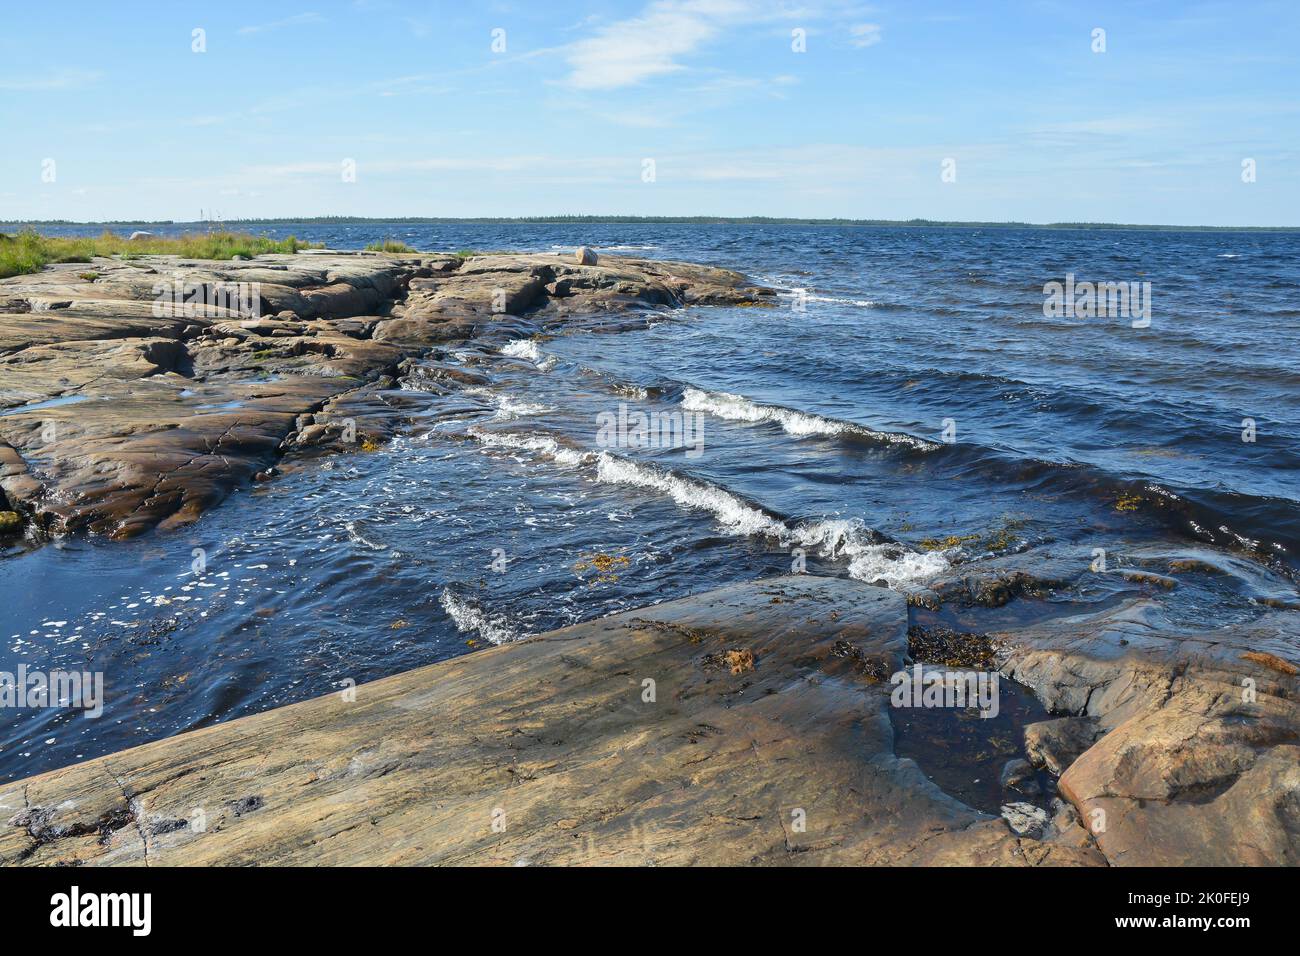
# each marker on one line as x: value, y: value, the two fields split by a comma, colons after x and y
x: 1055, y: 744
x: 942, y: 645
x: 1026, y: 820
x: 1019, y: 775
x: 993, y: 585
x: 1196, y: 760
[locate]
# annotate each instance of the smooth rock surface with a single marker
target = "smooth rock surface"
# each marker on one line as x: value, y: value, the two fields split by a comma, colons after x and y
x: 556, y: 750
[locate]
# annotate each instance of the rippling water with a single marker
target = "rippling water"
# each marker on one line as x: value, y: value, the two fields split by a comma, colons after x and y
x: 820, y: 430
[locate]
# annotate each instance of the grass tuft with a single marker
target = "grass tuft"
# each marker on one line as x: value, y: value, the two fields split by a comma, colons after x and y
x: 389, y: 245
x: 28, y: 251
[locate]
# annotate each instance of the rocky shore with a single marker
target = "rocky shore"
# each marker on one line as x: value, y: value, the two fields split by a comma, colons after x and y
x: 751, y: 724
x: 138, y: 392
x: 748, y: 725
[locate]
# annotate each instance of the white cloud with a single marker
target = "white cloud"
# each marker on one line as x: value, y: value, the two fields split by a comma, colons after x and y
x: 865, y: 34
x: 62, y: 80
x: 293, y: 21
x: 630, y: 51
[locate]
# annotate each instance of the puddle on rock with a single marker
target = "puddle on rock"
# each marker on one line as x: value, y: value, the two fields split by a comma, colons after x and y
x: 965, y: 754
x: 51, y: 403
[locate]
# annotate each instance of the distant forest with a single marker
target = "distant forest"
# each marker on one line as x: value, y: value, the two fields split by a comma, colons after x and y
x: 684, y: 220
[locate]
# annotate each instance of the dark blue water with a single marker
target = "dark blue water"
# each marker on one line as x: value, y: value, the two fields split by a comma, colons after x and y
x: 502, y: 512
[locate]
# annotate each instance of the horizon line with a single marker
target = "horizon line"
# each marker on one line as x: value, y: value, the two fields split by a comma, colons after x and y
x: 631, y: 219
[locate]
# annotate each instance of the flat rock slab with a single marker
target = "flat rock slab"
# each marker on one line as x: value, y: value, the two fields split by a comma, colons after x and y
x: 745, y: 725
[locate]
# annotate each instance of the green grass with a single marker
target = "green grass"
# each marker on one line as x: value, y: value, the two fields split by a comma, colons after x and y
x: 28, y: 251
x: 389, y: 245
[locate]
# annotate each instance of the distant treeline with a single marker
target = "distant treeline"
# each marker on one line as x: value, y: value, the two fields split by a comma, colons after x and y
x: 683, y: 220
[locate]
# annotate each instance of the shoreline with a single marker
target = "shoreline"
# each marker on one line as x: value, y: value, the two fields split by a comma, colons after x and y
x: 117, y: 416
x: 749, y: 724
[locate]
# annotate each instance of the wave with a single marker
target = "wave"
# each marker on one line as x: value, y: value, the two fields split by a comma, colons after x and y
x: 508, y: 408
x: 471, y: 618
x: 841, y: 300
x: 869, y: 558
x: 528, y: 349
x: 357, y: 536
x: 741, y: 409
x: 735, y: 514
x: 614, y: 248
x: 538, y: 444
x: 1264, y: 526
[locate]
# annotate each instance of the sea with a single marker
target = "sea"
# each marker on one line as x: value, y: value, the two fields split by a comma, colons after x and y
x: 915, y: 402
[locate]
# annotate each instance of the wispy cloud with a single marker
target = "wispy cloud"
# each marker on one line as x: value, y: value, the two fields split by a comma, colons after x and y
x: 865, y: 34
x: 62, y: 80
x: 294, y: 21
x: 629, y: 51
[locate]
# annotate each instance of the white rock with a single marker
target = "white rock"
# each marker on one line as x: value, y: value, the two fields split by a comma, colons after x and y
x: 1025, y: 819
x: 585, y: 256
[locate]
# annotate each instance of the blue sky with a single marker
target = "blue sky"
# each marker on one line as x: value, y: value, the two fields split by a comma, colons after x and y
x: 1039, y: 126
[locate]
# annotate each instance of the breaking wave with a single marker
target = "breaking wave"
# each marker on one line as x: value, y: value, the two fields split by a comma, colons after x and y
x: 740, y: 409
x: 471, y: 618
x: 869, y: 557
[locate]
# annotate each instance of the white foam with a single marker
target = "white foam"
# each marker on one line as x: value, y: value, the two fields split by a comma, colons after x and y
x: 800, y: 424
x: 539, y: 444
x: 861, y: 303
x: 737, y: 516
x: 850, y: 539
x: 507, y: 408
x: 740, y: 409
x: 522, y: 348
x: 357, y: 536
x: 527, y: 349
x: 835, y: 538
x: 470, y: 618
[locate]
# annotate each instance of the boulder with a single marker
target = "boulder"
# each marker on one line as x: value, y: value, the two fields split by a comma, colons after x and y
x: 1055, y: 744
x: 1179, y: 749
x: 1018, y: 774
x: 585, y: 256
x: 10, y: 522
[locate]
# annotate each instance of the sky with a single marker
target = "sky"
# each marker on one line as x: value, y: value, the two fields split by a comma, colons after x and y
x: 989, y: 111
